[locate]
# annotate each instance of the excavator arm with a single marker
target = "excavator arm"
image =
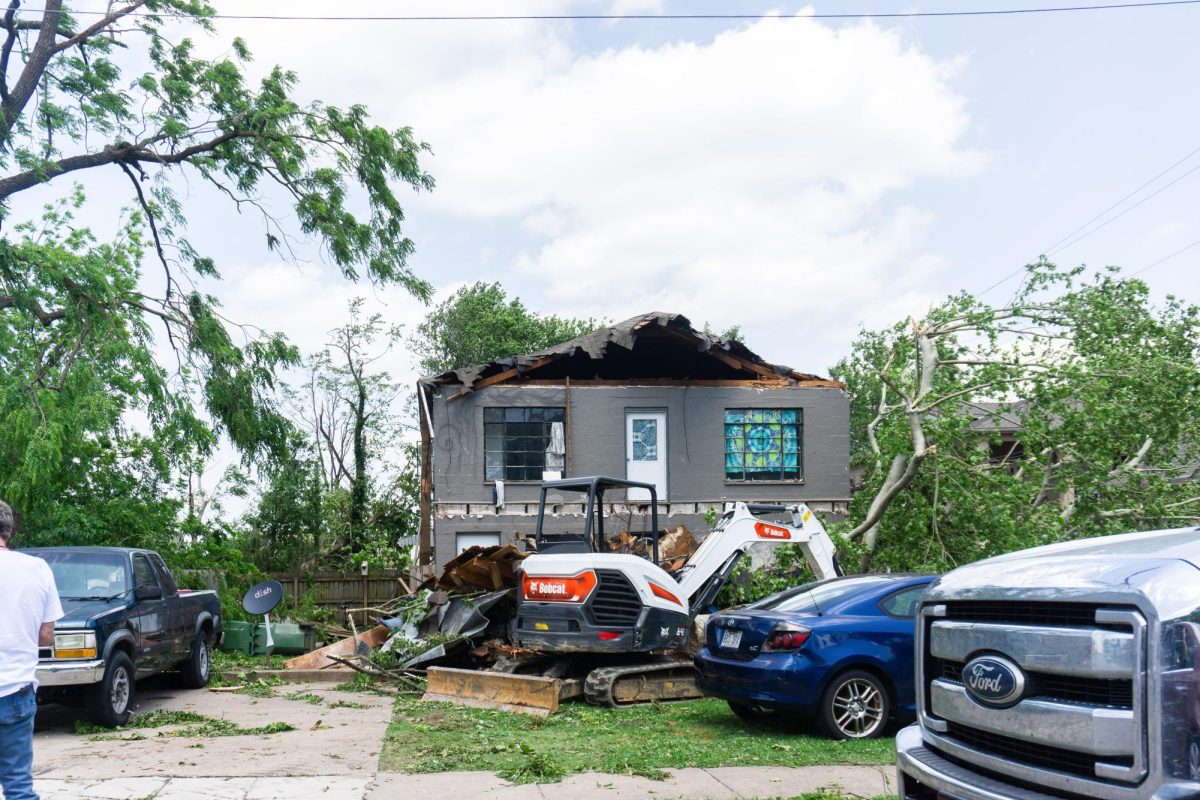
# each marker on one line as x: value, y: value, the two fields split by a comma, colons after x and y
x: 712, y: 564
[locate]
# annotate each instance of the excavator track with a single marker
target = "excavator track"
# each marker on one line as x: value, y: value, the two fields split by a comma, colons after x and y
x: 641, y: 683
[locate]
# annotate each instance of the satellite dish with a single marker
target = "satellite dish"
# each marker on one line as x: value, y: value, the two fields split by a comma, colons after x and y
x: 263, y: 597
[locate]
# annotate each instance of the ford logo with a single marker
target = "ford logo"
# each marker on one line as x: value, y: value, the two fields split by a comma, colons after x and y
x: 993, y: 680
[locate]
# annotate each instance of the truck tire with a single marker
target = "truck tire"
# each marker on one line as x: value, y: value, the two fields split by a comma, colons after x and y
x: 855, y: 705
x: 195, y: 672
x: 110, y: 701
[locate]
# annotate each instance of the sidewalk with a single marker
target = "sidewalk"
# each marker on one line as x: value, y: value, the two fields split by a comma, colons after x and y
x: 724, y: 783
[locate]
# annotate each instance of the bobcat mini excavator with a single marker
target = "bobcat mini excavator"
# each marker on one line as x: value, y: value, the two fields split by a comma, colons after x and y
x: 622, y: 617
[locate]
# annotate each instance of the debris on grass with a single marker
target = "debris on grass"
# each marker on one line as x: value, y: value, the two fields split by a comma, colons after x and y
x: 536, y: 767
x: 183, y: 724
x: 306, y: 697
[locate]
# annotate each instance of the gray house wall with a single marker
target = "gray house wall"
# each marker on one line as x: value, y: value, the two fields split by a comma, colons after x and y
x: 463, y: 500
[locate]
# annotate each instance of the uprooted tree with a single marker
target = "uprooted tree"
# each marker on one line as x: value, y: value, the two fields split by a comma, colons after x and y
x: 121, y: 92
x: 1072, y: 410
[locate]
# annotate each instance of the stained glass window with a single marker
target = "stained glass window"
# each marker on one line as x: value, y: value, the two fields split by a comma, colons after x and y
x: 520, y: 443
x: 764, y: 444
x: 645, y: 440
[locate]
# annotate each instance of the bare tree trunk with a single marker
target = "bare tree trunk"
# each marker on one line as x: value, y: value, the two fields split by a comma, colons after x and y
x: 358, y: 491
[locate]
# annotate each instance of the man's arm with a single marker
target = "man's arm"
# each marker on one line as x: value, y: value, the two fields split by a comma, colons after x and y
x: 46, y: 634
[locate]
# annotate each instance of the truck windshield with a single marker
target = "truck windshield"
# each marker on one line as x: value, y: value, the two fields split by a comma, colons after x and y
x: 79, y: 576
x: 812, y: 597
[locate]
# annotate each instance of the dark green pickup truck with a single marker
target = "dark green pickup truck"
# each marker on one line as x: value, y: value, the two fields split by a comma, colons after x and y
x: 125, y: 620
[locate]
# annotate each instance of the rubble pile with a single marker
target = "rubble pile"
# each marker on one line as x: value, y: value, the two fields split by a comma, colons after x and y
x: 462, y: 618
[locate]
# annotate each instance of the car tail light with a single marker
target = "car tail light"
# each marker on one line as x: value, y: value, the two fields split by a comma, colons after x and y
x: 573, y: 589
x: 786, y: 637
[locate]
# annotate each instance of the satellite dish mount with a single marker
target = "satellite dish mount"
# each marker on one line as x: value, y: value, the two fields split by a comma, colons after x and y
x: 262, y: 599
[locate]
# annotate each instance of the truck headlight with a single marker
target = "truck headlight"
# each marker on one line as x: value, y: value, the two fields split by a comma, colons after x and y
x: 75, y: 645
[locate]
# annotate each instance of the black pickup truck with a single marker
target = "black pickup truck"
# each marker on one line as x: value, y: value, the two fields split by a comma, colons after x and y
x: 125, y: 619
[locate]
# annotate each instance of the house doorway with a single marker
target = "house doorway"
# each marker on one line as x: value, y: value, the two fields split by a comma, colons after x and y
x: 646, y: 452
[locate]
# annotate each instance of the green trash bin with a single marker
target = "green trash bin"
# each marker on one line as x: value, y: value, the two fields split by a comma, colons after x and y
x: 251, y: 638
x: 236, y: 638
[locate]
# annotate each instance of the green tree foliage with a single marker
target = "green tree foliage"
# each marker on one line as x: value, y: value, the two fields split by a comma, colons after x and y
x: 122, y: 92
x: 479, y: 324
x: 82, y: 328
x: 75, y: 363
x: 1098, y: 386
x: 348, y: 493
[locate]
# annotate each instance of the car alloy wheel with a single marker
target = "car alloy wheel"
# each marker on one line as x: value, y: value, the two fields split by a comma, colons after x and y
x: 1194, y: 759
x: 120, y: 692
x: 858, y: 708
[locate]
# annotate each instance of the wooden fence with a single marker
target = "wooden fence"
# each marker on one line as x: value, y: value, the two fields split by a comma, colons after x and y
x: 343, y: 590
x: 337, y: 590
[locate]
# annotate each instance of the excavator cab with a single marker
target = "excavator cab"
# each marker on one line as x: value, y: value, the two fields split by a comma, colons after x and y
x: 592, y: 538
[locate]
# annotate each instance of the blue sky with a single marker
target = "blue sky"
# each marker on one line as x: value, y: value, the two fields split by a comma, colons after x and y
x: 796, y: 178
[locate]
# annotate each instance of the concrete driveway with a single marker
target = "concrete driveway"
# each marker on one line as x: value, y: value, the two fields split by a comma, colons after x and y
x: 340, y: 735
x: 333, y: 754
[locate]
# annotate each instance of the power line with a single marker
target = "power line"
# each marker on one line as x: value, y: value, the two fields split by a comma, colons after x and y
x: 1056, y: 248
x: 1164, y: 258
x: 1122, y: 200
x: 1110, y: 220
x: 567, y: 17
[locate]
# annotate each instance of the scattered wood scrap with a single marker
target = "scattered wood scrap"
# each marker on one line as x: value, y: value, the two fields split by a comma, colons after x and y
x: 326, y: 657
x: 488, y: 568
x: 675, y: 546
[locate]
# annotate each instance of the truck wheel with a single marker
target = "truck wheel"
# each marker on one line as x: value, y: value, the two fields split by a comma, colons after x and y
x: 750, y: 712
x: 195, y: 672
x: 854, y: 706
x: 110, y: 701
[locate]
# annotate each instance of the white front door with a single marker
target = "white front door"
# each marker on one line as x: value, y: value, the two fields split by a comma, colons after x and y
x: 646, y: 452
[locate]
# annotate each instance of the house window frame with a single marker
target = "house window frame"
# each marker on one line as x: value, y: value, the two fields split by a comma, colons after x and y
x: 458, y: 550
x: 764, y: 481
x: 504, y: 436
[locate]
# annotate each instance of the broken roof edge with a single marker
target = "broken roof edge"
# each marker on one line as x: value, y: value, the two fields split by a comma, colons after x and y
x: 625, y: 334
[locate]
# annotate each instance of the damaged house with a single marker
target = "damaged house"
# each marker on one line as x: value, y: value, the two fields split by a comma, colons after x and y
x: 706, y: 420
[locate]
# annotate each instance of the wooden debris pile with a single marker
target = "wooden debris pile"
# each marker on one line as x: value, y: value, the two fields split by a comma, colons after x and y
x: 675, y: 546
x: 486, y: 568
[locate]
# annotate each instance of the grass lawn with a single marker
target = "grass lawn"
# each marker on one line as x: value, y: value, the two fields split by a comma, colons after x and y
x: 642, y: 740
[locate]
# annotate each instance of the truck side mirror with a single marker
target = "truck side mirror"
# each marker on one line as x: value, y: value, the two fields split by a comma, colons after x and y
x: 148, y: 593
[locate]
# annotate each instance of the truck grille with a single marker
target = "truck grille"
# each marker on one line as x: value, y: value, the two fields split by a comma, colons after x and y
x: 616, y: 602
x: 1038, y: 755
x: 1023, y: 612
x: 1080, y: 721
x: 1093, y: 691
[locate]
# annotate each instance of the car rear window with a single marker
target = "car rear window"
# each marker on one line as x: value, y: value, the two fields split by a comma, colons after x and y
x: 813, y: 597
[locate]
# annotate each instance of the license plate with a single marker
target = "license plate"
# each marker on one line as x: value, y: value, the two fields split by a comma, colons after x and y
x: 731, y: 640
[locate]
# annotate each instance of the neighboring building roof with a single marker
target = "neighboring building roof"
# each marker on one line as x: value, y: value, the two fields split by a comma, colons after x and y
x: 992, y: 417
x: 656, y: 345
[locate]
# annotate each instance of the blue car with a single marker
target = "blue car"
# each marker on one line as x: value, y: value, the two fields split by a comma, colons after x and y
x: 838, y: 651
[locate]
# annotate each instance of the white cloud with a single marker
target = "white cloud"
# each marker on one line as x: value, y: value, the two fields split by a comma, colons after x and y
x: 714, y: 178
x: 307, y: 302
x: 752, y: 178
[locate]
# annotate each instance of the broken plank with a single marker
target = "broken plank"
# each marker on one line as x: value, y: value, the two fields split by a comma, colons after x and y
x: 528, y: 694
x: 318, y: 659
x: 500, y: 377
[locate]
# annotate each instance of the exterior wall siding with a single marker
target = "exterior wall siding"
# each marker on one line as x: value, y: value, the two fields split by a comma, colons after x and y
x: 596, y: 446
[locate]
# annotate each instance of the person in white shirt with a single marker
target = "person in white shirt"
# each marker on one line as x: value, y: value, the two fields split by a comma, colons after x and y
x: 30, y: 602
